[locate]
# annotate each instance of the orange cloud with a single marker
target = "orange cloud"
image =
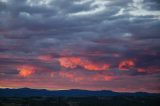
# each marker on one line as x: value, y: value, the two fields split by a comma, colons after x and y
x: 73, y: 62
x: 95, y: 67
x: 70, y: 62
x: 26, y: 70
x: 126, y: 64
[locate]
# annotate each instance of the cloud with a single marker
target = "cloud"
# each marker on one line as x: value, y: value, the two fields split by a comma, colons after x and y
x: 95, y: 8
x: 45, y: 58
x: 126, y: 64
x: 73, y: 62
x: 139, y: 10
x: 80, y: 38
x: 26, y: 70
x: 149, y: 69
x: 99, y: 77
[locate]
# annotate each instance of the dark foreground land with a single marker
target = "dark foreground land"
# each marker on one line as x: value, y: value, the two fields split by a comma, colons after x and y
x: 81, y: 101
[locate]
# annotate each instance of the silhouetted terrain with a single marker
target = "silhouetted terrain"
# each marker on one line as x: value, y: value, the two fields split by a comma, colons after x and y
x: 33, y: 97
x: 27, y: 92
x: 81, y: 101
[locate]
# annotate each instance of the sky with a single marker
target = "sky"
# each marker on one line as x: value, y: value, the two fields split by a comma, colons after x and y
x: 80, y: 44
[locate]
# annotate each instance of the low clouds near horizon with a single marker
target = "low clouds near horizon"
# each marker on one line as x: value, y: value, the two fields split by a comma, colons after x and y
x: 80, y: 44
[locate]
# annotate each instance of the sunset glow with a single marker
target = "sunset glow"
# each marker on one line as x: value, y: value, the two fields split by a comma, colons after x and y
x: 73, y: 62
x: 26, y: 70
x: 78, y: 44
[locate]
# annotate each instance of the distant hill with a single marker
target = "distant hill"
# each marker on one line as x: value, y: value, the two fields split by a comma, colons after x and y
x: 27, y: 92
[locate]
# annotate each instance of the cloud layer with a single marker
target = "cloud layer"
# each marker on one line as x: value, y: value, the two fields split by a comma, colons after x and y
x: 84, y: 44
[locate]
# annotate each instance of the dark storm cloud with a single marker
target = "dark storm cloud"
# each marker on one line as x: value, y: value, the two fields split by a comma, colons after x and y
x: 121, y: 34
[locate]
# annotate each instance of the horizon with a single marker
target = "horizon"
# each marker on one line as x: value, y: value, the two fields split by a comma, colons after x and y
x: 80, y: 90
x: 50, y: 90
x: 80, y: 44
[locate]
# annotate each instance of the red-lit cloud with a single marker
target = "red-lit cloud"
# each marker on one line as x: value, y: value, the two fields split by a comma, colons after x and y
x: 108, y: 78
x: 26, y: 70
x: 73, y: 62
x: 70, y: 62
x: 126, y: 64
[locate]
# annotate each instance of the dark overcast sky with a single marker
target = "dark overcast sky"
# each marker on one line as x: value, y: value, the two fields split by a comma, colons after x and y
x: 80, y: 44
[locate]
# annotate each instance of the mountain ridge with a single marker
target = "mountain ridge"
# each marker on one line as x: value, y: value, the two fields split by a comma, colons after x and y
x: 27, y: 92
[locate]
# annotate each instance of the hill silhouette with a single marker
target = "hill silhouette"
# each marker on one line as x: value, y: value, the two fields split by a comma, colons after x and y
x: 27, y: 92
